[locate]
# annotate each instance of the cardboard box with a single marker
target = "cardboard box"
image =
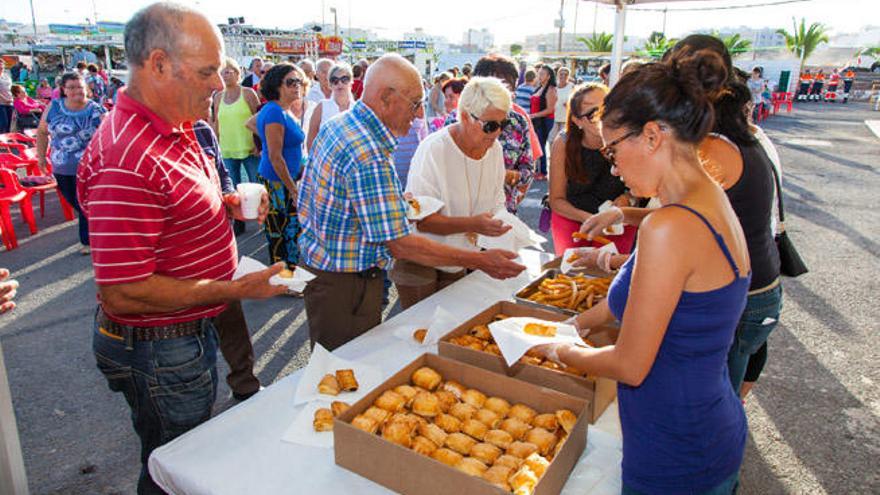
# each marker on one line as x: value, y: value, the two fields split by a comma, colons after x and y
x: 599, y: 392
x: 405, y: 471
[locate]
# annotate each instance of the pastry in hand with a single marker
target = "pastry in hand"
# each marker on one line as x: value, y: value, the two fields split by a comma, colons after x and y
x: 546, y: 421
x: 537, y: 464
x: 419, y: 335
x: 460, y: 443
x: 399, y: 433
x: 499, y: 438
x: 463, y: 411
x: 323, y: 420
x: 328, y: 385
x: 566, y: 419
x: 366, y: 424
x: 347, y: 382
x: 286, y: 273
x: 516, y: 427
x: 377, y: 414
x: 422, y: 445
x: 454, y: 388
x: 433, y: 433
x: 473, y: 397
x: 523, y: 413
x: 407, y: 392
x: 488, y: 418
x: 498, y: 475
x: 498, y: 405
x: 448, y: 422
x: 485, y: 452
x: 540, y: 330
x: 524, y: 480
x: 448, y: 457
x: 543, y: 439
x: 338, y: 407
x: 390, y: 401
x: 522, y: 449
x: 510, y: 461
x: 426, y: 404
x: 481, y: 332
x: 446, y: 400
x: 474, y: 428
x: 426, y: 378
x: 416, y: 207
x: 471, y: 466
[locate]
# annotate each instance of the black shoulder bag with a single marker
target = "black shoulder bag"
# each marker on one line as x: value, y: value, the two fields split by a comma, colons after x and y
x: 791, y: 264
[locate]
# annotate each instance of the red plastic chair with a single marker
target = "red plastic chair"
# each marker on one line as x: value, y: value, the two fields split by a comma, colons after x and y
x: 17, y: 137
x: 11, y: 193
x: 13, y: 162
x: 788, y: 101
x: 66, y: 208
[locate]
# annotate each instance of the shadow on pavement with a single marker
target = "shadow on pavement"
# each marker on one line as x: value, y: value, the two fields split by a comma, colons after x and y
x: 822, y: 218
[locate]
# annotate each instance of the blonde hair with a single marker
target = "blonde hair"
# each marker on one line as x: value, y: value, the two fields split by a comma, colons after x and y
x: 231, y: 63
x: 481, y: 93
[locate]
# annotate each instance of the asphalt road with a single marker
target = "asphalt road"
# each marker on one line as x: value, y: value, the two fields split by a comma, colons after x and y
x: 814, y: 416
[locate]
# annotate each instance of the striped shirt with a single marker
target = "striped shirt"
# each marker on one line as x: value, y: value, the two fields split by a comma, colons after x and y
x: 152, y: 198
x: 350, y: 200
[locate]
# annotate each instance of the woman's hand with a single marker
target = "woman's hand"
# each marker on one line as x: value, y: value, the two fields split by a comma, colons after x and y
x: 550, y: 351
x: 595, y: 224
x: 511, y: 177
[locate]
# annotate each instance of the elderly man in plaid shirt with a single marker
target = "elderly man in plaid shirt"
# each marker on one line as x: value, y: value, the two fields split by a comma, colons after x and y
x: 353, y: 214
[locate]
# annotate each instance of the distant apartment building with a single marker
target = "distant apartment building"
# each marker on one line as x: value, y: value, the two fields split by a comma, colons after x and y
x: 760, y: 38
x: 548, y: 42
x: 478, y: 39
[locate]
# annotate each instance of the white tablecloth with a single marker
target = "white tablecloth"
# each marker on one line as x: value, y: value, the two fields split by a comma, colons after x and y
x: 241, y: 451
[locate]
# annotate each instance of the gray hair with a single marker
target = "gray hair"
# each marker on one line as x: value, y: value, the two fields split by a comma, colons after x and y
x: 323, y: 64
x: 155, y: 26
x: 339, y: 66
x: 482, y: 93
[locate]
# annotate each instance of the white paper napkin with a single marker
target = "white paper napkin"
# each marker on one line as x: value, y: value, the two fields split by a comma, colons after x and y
x: 513, y: 342
x: 302, y: 431
x: 518, y: 237
x: 614, y: 229
x: 441, y: 323
x: 427, y: 206
x: 323, y: 362
x: 301, y: 276
x: 567, y: 267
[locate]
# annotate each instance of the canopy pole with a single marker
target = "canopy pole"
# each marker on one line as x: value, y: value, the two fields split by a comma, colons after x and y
x: 617, y: 50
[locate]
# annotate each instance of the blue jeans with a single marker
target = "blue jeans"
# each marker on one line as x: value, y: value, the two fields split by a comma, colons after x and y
x: 233, y: 165
x: 757, y: 321
x: 726, y: 487
x: 170, y: 385
x: 67, y: 186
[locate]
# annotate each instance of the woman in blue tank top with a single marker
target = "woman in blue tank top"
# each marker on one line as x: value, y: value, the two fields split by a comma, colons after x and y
x: 679, y: 296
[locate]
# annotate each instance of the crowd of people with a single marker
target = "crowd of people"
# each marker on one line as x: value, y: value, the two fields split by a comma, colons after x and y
x: 339, y: 149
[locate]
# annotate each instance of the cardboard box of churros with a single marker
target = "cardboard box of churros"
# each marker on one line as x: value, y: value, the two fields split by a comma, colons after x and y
x: 472, y: 343
x: 439, y: 426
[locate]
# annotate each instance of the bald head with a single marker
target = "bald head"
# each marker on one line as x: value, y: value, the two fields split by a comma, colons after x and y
x: 390, y: 71
x: 393, y: 90
x: 163, y: 26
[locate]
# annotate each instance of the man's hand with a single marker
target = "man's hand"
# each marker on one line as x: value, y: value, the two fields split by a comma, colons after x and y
x: 486, y: 225
x: 594, y: 225
x: 233, y: 205
x: 8, y: 289
x: 497, y: 263
x: 256, y: 285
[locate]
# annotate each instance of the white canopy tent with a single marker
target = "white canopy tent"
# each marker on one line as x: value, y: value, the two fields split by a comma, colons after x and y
x: 620, y: 27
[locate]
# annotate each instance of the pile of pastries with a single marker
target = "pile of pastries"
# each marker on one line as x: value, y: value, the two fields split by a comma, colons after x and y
x: 479, y: 338
x: 576, y: 292
x: 508, y: 445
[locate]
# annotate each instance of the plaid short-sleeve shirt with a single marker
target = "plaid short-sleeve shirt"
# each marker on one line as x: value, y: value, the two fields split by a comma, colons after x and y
x: 350, y: 200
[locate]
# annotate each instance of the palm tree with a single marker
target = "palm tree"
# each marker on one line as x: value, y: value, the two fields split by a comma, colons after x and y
x: 736, y: 45
x: 599, y: 42
x: 802, y: 41
x: 657, y: 45
x: 515, y: 49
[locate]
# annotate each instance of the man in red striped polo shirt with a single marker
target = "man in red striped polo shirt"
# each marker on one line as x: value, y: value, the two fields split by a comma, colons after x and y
x: 162, y: 249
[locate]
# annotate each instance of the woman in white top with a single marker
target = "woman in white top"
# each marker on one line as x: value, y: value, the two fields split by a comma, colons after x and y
x: 461, y: 165
x: 563, y: 91
x: 340, y: 100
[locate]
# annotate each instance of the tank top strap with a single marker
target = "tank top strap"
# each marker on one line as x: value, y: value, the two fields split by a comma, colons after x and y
x: 718, y: 238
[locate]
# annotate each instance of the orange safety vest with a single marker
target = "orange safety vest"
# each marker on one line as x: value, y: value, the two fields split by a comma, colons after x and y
x: 849, y: 75
x: 820, y: 77
x: 805, y: 78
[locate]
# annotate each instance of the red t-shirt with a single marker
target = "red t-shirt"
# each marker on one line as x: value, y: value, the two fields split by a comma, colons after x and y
x: 154, y: 205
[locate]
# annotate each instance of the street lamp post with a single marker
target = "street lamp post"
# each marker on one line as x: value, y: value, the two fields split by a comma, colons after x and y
x: 335, y: 22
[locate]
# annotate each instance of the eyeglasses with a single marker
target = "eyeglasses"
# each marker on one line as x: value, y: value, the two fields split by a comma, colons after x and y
x: 337, y: 80
x: 490, y: 126
x: 414, y: 105
x: 590, y: 114
x: 293, y: 82
x: 607, y: 151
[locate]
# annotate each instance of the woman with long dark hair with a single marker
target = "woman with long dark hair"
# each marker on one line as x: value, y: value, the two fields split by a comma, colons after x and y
x: 541, y: 112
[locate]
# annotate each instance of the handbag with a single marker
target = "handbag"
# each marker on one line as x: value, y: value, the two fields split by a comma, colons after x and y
x: 790, y: 262
x: 546, y: 215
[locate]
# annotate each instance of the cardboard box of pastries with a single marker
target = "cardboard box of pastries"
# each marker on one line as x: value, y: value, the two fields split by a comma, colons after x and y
x: 599, y: 392
x: 520, y: 430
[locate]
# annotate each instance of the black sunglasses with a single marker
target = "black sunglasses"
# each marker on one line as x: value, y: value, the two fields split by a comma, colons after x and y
x: 343, y: 80
x: 490, y: 126
x: 607, y: 151
x: 589, y: 114
x: 293, y: 82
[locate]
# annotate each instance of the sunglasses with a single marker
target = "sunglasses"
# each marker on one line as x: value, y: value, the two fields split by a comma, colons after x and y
x: 607, y: 151
x: 490, y: 126
x: 343, y: 80
x: 590, y: 114
x: 293, y: 82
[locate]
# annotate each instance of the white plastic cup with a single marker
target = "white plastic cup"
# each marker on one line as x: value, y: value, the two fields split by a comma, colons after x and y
x: 251, y: 195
